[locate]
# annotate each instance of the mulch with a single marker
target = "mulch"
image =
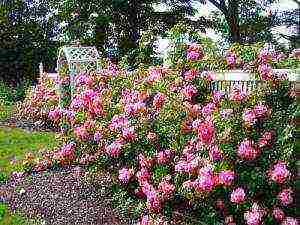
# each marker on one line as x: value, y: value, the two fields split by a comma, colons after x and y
x: 65, y: 197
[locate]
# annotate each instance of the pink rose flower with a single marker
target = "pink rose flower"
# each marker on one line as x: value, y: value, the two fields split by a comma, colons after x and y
x: 165, y: 188
x: 254, y: 216
x: 159, y: 100
x: 278, y: 214
x: 285, y: 197
x: 231, y: 59
x: 163, y: 157
x: 125, y: 175
x: 226, y: 177
x: 128, y: 133
x: 237, y: 94
x: 215, y: 153
x: 247, y: 150
x: 191, y: 74
x: 265, y: 71
x: 290, y: 221
x: 280, y: 173
x: 238, y: 195
x: 189, y: 91
x: 249, y: 116
x: 114, y: 149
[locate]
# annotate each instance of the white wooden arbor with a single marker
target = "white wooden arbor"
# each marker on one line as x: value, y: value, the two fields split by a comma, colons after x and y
x: 75, y: 59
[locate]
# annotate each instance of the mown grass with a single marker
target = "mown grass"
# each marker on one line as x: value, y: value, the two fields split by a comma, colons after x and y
x: 9, y: 218
x: 5, y: 111
x: 15, y: 143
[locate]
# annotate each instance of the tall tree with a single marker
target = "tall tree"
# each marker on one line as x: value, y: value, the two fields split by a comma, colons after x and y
x: 117, y: 22
x: 25, y: 39
x: 242, y: 18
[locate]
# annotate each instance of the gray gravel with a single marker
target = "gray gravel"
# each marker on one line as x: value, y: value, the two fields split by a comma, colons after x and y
x: 62, y: 198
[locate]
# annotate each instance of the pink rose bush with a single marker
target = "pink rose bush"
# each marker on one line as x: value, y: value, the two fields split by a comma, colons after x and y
x: 40, y: 101
x: 173, y: 145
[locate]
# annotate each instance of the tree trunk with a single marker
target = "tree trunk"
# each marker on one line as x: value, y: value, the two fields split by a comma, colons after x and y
x: 232, y: 19
x: 133, y: 23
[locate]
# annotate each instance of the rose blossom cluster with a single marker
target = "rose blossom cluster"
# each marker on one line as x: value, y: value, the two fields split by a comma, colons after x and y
x: 133, y: 101
x: 194, y: 52
x: 125, y: 175
x: 285, y: 197
x: 231, y: 59
x: 279, y: 173
x: 163, y: 157
x: 255, y: 215
x: 247, y: 150
x: 237, y: 94
x: 237, y: 195
x: 189, y: 91
x: 190, y: 75
x: 252, y: 115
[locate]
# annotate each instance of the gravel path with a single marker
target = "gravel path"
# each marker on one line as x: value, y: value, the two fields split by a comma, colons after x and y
x: 62, y: 198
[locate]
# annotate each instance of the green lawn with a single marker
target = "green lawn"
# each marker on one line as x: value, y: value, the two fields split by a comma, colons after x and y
x: 5, y: 111
x: 15, y: 143
x: 8, y: 218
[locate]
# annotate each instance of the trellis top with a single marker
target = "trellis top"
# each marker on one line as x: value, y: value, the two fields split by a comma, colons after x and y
x: 72, y: 60
x: 77, y: 54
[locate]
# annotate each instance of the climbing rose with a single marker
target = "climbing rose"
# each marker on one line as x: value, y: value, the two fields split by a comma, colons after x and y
x: 237, y: 94
x: 265, y: 71
x: 247, y: 150
x: 191, y: 74
x: 217, y: 96
x: 249, y: 116
x: 285, y: 197
x: 143, y: 175
x: 55, y: 114
x: 97, y: 136
x: 128, y: 133
x: 194, y: 52
x: 237, y: 196
x: 280, y: 173
x: 125, y: 175
x: 81, y: 133
x: 205, y: 130
x: 189, y: 91
x: 226, y: 177
x: 164, y: 157
x: 165, y: 188
x: 215, y: 153
x: 145, y: 220
x: 153, y: 201
x: 208, y: 109
x: 260, y: 110
x: 114, y: 149
x: 204, y: 183
x: 254, y: 215
x: 231, y: 59
x: 118, y: 122
x: 278, y: 214
x: 159, y: 100
x: 264, y: 55
x: 144, y: 162
x: 290, y: 221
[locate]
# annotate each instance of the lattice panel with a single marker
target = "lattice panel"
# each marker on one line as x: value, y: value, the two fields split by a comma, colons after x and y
x: 81, y: 54
x: 77, y: 60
